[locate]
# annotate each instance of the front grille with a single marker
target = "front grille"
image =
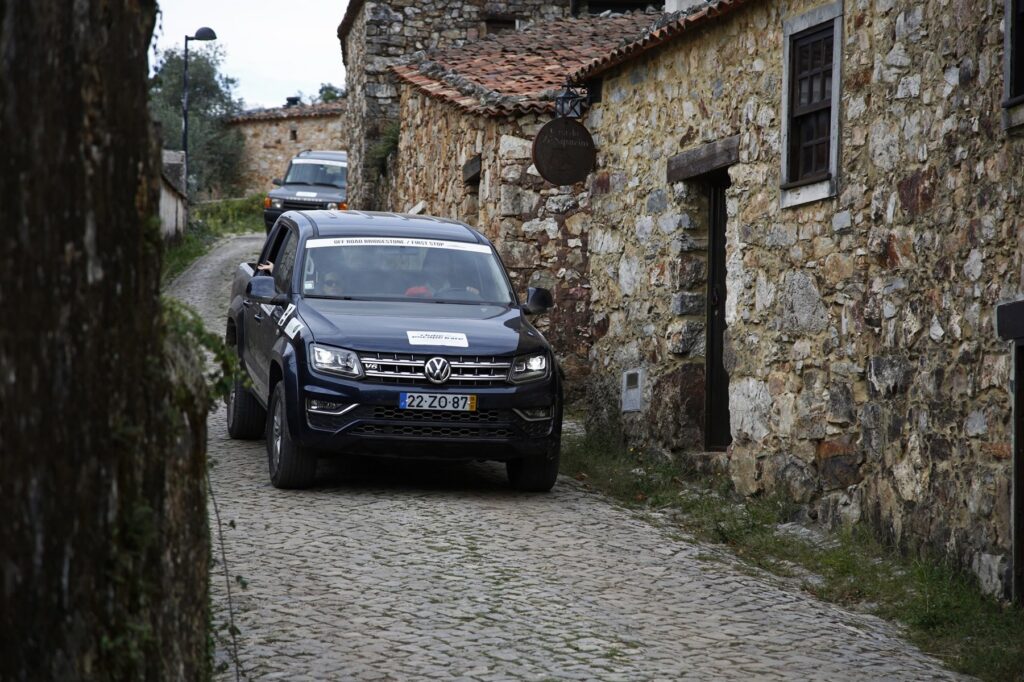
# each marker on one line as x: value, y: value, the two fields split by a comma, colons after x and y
x: 407, y: 368
x: 429, y: 431
x: 299, y: 205
x: 478, y: 417
x: 384, y: 421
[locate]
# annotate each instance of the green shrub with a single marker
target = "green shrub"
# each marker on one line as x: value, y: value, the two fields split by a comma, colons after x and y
x: 377, y: 156
x: 208, y: 223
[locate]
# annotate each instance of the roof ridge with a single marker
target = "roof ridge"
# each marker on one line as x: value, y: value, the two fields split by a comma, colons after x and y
x: 672, y: 25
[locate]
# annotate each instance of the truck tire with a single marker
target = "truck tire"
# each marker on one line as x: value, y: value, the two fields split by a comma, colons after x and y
x: 536, y: 474
x: 246, y: 417
x: 291, y: 466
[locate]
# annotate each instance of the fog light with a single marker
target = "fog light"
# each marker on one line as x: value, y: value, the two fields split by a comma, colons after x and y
x: 328, y: 406
x: 534, y: 414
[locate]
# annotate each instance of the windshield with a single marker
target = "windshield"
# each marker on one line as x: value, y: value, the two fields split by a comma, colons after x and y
x: 317, y: 172
x: 399, y: 269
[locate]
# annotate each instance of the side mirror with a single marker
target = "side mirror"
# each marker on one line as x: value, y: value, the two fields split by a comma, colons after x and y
x: 277, y: 181
x: 537, y: 301
x: 262, y: 290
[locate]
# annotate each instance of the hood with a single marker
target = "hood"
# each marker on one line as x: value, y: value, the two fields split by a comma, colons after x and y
x: 386, y: 326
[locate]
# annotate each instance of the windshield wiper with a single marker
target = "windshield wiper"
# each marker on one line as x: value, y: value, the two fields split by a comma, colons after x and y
x: 297, y: 182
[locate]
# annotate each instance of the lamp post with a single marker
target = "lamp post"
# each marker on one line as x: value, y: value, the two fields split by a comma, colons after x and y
x: 204, y: 33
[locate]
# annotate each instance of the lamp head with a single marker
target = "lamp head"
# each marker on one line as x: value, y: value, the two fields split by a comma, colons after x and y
x: 205, y: 33
x: 569, y: 102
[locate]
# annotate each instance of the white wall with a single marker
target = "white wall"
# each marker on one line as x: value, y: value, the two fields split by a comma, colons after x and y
x: 173, y: 211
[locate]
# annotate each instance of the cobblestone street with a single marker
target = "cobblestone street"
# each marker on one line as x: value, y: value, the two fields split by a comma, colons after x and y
x: 390, y: 570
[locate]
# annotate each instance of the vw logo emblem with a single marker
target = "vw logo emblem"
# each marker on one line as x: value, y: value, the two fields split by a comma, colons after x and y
x: 437, y: 370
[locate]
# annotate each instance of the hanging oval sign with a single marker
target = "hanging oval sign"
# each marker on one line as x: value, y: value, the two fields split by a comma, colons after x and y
x: 564, y: 152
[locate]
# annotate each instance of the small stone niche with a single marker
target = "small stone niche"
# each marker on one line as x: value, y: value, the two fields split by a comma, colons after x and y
x: 633, y: 390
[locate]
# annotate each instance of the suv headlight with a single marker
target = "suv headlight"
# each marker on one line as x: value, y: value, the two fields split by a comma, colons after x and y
x: 331, y: 206
x: 275, y: 203
x: 531, y: 367
x: 336, y: 361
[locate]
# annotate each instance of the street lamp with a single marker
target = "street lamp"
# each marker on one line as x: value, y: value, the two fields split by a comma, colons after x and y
x: 204, y: 33
x: 569, y: 103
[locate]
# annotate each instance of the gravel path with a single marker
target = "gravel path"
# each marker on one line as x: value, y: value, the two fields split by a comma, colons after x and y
x: 408, y: 570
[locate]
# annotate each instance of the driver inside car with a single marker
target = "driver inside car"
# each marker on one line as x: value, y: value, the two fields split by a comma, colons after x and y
x: 443, y: 272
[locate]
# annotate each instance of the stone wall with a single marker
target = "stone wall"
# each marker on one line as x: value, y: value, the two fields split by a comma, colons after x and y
x: 269, y: 145
x: 536, y: 227
x: 866, y: 378
x: 379, y: 34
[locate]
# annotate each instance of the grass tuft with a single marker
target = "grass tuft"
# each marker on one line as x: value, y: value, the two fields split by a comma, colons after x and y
x: 942, y: 608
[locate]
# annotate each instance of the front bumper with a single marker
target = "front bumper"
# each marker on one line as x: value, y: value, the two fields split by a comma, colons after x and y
x: 270, y: 216
x: 499, y: 429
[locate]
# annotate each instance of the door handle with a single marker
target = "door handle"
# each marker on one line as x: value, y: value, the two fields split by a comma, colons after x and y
x: 246, y: 302
x: 257, y: 317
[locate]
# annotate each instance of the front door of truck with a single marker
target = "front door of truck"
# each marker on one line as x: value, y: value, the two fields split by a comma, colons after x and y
x: 258, y: 319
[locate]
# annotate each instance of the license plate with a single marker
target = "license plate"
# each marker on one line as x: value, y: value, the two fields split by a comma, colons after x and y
x: 437, y: 401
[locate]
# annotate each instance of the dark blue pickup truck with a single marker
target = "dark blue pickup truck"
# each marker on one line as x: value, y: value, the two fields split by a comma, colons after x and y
x: 393, y: 335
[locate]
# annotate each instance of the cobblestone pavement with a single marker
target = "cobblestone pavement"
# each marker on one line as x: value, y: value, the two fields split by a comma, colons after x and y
x: 396, y: 570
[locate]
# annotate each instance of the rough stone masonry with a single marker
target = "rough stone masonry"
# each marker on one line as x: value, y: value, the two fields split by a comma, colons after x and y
x: 377, y: 35
x: 866, y: 379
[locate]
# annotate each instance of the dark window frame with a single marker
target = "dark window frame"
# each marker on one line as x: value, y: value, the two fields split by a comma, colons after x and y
x: 810, y: 121
x: 823, y: 182
x: 1015, y: 52
x: 500, y: 23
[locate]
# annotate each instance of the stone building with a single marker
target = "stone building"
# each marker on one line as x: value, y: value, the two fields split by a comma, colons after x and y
x: 787, y: 261
x: 377, y: 35
x: 469, y: 117
x: 803, y: 217
x: 274, y: 136
x: 173, y: 195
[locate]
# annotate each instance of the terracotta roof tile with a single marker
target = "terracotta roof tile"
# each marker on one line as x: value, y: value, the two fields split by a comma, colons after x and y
x: 299, y: 111
x: 521, y: 71
x: 668, y: 28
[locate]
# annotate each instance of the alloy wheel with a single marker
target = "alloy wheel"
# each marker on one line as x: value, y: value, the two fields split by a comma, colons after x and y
x: 275, y: 446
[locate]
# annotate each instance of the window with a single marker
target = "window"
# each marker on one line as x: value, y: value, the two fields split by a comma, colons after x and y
x: 493, y: 25
x: 294, y: 134
x: 810, y: 106
x: 599, y: 6
x: 1015, y: 51
x: 284, y: 266
x: 1013, y: 67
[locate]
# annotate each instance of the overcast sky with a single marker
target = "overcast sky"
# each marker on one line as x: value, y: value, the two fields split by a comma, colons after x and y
x: 274, y: 49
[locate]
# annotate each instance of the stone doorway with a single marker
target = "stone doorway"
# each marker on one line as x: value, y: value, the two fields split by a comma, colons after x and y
x: 717, y: 434
x: 706, y: 166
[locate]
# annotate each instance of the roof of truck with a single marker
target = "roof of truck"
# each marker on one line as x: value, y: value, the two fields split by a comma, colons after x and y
x: 384, y: 224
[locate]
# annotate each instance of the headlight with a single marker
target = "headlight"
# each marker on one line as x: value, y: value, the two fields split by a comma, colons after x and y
x: 275, y: 203
x: 529, y: 368
x: 332, y: 206
x: 336, y: 361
